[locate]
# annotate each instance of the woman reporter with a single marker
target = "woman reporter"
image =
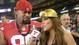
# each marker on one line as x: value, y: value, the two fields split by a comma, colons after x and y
x: 52, y: 32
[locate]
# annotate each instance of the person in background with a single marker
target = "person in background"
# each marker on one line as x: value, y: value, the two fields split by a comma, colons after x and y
x: 75, y: 31
x: 66, y: 22
x: 2, y: 41
x: 52, y: 32
x: 22, y: 30
x: 4, y: 18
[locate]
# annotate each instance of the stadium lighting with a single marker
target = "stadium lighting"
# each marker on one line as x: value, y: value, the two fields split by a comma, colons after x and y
x: 35, y: 18
x: 5, y: 10
x: 64, y: 11
x: 9, y: 10
x: 2, y: 10
x: 76, y: 8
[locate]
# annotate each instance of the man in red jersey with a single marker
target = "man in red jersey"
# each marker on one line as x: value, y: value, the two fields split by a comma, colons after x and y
x: 21, y: 31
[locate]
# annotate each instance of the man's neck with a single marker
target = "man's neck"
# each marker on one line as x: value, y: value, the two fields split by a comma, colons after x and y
x: 24, y: 25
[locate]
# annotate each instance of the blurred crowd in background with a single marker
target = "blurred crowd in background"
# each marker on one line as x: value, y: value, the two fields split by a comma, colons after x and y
x: 69, y: 19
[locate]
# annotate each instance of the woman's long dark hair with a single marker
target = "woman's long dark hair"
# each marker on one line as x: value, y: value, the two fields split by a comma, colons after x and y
x: 59, y: 35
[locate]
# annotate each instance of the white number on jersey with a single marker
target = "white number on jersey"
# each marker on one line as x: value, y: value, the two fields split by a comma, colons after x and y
x: 21, y: 38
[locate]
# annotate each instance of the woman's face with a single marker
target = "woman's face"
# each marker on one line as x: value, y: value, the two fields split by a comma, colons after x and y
x: 47, y: 24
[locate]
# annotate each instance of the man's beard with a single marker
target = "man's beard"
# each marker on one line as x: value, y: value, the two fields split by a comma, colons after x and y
x: 26, y: 21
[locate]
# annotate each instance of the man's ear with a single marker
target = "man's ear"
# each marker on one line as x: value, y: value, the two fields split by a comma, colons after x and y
x: 15, y: 13
x: 14, y: 10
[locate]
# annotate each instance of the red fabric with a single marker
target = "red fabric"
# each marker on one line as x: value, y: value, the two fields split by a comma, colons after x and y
x: 10, y: 30
x: 23, y: 5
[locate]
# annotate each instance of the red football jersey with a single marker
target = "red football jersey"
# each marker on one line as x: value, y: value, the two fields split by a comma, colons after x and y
x: 13, y: 36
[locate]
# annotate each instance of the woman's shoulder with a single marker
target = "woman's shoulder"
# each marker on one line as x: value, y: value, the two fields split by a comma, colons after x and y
x: 69, y: 38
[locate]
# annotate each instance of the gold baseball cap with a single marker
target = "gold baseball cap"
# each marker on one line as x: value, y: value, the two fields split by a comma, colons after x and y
x: 48, y: 13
